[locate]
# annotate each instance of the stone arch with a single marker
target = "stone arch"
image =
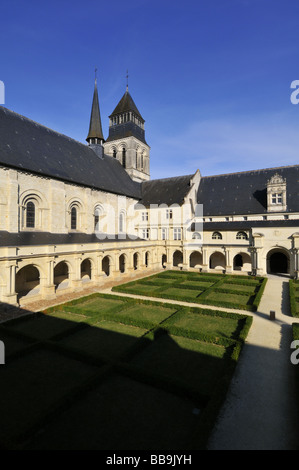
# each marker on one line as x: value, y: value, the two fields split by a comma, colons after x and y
x: 86, y: 270
x: 27, y: 281
x: 122, y: 262
x: 242, y: 262
x: 74, y: 212
x: 61, y: 275
x: 147, y: 256
x: 106, y: 265
x: 177, y: 258
x: 217, y: 260
x: 123, y: 152
x: 164, y: 260
x: 113, y: 151
x: 99, y: 217
x: 195, y: 259
x: 278, y: 261
x: 136, y: 260
x: 36, y: 199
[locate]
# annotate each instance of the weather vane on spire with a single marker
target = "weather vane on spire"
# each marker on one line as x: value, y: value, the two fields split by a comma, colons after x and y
x: 127, y: 76
x: 95, y: 73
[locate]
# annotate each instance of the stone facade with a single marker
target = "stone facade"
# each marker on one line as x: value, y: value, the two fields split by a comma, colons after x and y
x: 59, y: 237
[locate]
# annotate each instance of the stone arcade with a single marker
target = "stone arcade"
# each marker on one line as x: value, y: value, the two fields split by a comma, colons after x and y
x: 56, y: 195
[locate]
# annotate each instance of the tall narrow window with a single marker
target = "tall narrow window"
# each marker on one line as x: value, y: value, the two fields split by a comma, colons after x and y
x: 142, y: 162
x: 144, y: 216
x: 168, y: 213
x: 96, y: 219
x: 121, y: 223
x: 73, y: 218
x: 114, y: 153
x: 123, y: 158
x: 30, y: 214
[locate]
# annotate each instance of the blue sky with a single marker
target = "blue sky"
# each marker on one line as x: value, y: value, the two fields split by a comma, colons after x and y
x: 211, y: 78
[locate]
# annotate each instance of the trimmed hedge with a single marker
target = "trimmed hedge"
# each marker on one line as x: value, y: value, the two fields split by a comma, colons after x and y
x: 294, y: 300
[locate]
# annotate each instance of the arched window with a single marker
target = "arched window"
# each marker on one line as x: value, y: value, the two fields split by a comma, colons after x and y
x: 73, y: 218
x: 98, y: 217
x: 114, y: 152
x: 136, y: 164
x: 217, y: 236
x: 142, y: 161
x: 196, y: 236
x: 30, y: 214
x: 121, y: 223
x: 241, y: 236
x: 123, y: 157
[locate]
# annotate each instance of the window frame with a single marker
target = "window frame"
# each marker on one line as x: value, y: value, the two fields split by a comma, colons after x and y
x: 216, y: 236
x: 177, y: 233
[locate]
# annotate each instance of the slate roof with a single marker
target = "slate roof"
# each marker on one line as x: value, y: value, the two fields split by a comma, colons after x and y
x: 245, y: 192
x: 165, y: 191
x: 29, y: 146
x: 246, y: 225
x: 126, y: 104
x: 127, y: 129
x: 36, y: 238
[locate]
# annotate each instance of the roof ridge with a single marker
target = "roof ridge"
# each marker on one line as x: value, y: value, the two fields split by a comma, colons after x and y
x: 170, y: 178
x: 21, y: 116
x: 251, y: 171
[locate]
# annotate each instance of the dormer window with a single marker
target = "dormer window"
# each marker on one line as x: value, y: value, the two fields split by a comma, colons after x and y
x: 276, y: 194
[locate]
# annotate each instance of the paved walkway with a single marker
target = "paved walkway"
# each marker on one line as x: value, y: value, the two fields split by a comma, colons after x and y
x: 261, y: 409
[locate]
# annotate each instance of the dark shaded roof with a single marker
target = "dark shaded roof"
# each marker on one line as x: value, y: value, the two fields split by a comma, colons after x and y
x: 95, y: 126
x: 126, y: 104
x: 165, y: 191
x: 245, y: 192
x: 29, y: 146
x: 246, y: 224
x: 47, y: 238
x: 127, y: 129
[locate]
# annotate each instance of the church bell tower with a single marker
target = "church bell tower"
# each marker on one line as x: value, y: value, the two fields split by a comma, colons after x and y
x: 126, y: 140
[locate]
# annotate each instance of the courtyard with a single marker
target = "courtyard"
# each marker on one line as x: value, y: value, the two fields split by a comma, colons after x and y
x: 106, y: 371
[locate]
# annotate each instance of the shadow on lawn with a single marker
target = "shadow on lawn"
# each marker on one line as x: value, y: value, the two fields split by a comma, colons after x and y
x: 72, y: 385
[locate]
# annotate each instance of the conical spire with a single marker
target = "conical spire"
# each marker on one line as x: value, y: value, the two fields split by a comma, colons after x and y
x: 95, y: 126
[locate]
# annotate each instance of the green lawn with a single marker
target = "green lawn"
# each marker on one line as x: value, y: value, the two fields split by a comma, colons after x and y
x: 108, y: 372
x: 220, y: 290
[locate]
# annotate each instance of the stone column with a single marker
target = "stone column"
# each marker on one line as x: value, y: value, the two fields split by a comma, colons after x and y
x: 10, y: 296
x: 228, y: 265
x: 205, y: 260
x: 48, y: 286
x: 185, y: 259
x: 99, y: 275
x: 76, y: 282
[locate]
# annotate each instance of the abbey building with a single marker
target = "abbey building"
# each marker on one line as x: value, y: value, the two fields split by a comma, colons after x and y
x: 74, y: 215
